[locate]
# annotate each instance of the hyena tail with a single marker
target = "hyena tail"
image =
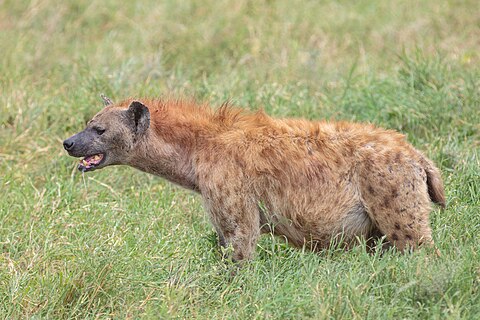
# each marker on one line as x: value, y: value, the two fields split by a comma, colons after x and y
x: 434, y: 183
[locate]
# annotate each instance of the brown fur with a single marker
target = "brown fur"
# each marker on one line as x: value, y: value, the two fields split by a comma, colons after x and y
x: 309, y: 182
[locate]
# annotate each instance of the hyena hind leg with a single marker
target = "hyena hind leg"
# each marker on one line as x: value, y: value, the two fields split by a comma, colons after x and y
x: 403, y: 228
x: 399, y: 209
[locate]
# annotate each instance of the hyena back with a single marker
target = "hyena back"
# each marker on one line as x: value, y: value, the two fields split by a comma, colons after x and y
x: 309, y: 182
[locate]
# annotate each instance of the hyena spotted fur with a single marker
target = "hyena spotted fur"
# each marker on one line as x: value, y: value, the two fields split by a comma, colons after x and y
x: 309, y: 182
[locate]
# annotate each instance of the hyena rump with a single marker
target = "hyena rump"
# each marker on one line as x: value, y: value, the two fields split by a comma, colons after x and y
x: 310, y: 182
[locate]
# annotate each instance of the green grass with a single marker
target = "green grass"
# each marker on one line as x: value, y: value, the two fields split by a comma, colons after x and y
x: 119, y: 243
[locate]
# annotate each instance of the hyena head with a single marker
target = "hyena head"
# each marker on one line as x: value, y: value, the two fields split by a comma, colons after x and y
x: 110, y: 136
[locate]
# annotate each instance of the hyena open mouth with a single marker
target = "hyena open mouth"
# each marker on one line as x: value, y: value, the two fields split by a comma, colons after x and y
x: 91, y: 162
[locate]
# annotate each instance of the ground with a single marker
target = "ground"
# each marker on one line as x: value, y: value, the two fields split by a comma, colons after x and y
x: 119, y: 243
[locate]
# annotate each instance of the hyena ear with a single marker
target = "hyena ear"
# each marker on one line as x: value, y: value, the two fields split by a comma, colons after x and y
x: 106, y: 101
x: 140, y: 117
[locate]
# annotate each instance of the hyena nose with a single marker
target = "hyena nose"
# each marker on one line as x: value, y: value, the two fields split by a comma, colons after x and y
x: 68, y: 145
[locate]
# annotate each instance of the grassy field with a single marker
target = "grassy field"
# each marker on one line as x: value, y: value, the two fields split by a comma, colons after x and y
x: 118, y: 243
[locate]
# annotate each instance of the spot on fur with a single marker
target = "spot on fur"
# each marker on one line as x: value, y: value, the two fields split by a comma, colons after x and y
x: 371, y: 190
x: 398, y: 157
x: 386, y: 202
x: 394, y: 192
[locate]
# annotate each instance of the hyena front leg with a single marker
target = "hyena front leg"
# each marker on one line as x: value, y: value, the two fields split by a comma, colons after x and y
x: 221, y: 239
x: 237, y: 224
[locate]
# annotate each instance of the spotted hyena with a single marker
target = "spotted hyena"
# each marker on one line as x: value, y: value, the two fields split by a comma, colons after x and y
x: 309, y: 182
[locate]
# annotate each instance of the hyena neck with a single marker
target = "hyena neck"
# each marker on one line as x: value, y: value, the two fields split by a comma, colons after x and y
x: 167, y: 160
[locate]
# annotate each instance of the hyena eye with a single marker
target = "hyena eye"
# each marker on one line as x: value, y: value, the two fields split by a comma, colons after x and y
x: 99, y: 131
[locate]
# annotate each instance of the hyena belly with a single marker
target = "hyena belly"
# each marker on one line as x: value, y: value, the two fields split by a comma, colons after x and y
x: 315, y: 214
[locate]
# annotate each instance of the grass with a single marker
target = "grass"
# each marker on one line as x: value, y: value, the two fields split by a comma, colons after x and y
x: 121, y: 244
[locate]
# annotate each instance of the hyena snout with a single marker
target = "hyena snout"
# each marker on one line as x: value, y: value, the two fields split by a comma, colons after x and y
x: 93, y: 152
x: 76, y: 145
x: 68, y: 144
